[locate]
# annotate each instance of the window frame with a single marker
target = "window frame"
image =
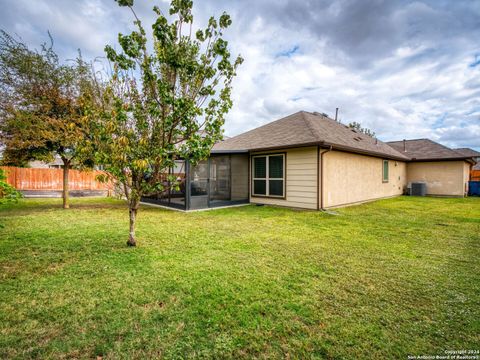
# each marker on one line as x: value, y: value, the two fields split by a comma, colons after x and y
x: 267, y: 175
x: 385, y: 180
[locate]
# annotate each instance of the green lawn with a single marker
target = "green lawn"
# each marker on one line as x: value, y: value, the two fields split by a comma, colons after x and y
x: 378, y: 281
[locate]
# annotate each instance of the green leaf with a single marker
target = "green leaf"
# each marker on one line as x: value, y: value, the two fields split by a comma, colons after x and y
x: 125, y: 2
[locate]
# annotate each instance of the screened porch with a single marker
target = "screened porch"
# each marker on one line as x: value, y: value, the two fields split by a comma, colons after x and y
x: 220, y: 180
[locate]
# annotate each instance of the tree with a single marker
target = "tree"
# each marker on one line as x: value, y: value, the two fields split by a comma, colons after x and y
x: 357, y: 126
x: 165, y: 104
x: 40, y: 106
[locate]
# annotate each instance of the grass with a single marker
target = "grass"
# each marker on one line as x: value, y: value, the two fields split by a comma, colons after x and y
x: 383, y: 280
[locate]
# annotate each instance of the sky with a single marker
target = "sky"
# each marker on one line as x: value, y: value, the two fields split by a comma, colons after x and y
x: 405, y: 69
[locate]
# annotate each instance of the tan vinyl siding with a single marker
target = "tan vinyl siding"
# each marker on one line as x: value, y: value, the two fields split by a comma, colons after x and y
x: 301, y: 179
x: 353, y: 178
x: 442, y: 177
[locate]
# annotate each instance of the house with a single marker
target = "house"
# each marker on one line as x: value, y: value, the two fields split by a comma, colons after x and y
x: 57, y: 163
x: 445, y: 171
x: 309, y: 161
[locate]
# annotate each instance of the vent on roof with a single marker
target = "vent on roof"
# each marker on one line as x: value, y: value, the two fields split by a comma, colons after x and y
x: 320, y: 114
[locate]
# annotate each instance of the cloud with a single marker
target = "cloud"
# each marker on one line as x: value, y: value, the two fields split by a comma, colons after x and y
x: 406, y: 69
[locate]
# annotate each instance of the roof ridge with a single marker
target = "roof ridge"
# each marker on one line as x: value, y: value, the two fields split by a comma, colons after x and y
x: 262, y: 126
x: 445, y: 147
x: 307, y: 123
x: 465, y: 148
x: 408, y: 140
x: 305, y: 128
x: 428, y: 149
x: 373, y: 139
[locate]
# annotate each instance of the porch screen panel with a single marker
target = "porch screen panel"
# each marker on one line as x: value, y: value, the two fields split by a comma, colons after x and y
x: 173, y: 193
x: 239, y: 180
x: 220, y: 186
x: 199, y: 179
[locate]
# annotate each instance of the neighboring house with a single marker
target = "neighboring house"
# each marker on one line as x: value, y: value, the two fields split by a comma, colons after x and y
x: 309, y: 161
x: 57, y: 163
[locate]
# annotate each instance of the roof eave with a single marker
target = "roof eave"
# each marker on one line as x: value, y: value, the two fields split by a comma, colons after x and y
x: 366, y: 152
x: 324, y: 144
x: 276, y: 147
x: 229, y: 152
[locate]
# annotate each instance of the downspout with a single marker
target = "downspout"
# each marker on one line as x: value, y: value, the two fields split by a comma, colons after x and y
x: 321, y: 177
x: 318, y: 177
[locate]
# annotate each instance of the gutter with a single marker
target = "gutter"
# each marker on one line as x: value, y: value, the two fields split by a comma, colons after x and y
x: 321, y: 176
x: 229, y: 152
x: 367, y: 152
x: 467, y: 159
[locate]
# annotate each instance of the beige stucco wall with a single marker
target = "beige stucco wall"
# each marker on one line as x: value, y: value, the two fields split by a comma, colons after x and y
x: 353, y: 178
x: 442, y: 177
x: 301, y: 179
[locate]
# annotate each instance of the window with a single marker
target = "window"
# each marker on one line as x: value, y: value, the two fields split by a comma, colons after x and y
x: 269, y: 175
x: 385, y: 171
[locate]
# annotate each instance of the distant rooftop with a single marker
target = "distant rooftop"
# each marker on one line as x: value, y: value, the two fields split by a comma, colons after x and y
x: 426, y: 149
x: 468, y: 152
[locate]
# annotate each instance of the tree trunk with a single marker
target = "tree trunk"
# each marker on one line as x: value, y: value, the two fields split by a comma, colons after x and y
x: 133, y: 207
x: 66, y: 166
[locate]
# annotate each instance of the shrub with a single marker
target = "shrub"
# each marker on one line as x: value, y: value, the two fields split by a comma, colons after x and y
x: 7, y: 192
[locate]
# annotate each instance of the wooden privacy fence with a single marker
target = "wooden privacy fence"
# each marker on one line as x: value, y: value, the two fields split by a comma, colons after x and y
x: 475, y: 175
x: 52, y: 179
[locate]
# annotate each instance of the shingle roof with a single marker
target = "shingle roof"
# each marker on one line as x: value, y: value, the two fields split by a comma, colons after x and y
x: 468, y: 152
x: 305, y: 128
x: 425, y: 149
x: 472, y: 153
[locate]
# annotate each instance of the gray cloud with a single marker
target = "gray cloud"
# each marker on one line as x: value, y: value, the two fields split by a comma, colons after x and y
x: 404, y: 68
